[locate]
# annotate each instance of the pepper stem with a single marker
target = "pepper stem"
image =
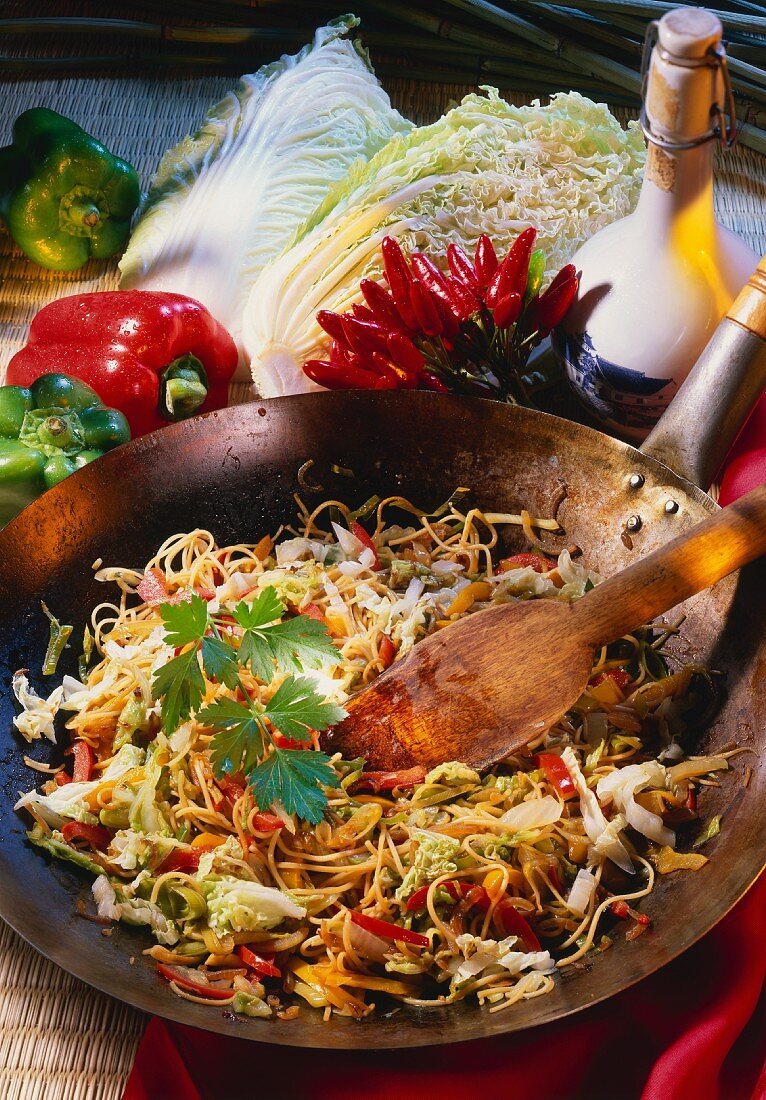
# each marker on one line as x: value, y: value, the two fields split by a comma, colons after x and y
x: 183, y: 388
x: 85, y: 214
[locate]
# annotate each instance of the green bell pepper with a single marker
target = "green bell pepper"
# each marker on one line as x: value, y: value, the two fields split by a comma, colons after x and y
x: 64, y: 197
x: 48, y: 431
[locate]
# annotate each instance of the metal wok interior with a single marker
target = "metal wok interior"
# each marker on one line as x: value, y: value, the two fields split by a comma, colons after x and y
x: 235, y: 473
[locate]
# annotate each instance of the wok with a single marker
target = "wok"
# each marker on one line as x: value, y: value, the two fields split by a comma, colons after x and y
x: 235, y: 473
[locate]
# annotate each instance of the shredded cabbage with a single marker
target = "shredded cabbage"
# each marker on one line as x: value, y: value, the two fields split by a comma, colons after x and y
x: 229, y: 198
x: 38, y: 714
x: 479, y: 955
x: 596, y: 825
x: 434, y: 857
x: 485, y: 167
x: 622, y: 785
x: 234, y: 905
x: 69, y: 801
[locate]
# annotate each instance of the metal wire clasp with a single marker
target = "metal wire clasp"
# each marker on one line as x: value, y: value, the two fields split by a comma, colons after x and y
x: 715, y: 57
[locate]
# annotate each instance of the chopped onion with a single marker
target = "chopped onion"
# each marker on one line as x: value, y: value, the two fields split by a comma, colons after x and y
x: 442, y: 566
x: 367, y: 557
x: 696, y: 765
x: 351, y: 568
x: 622, y: 785
x: 533, y: 814
x: 349, y: 544
x: 582, y: 891
x: 367, y: 944
x: 596, y: 825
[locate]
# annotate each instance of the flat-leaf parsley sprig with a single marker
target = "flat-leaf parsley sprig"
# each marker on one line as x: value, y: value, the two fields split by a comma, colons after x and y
x: 269, y: 646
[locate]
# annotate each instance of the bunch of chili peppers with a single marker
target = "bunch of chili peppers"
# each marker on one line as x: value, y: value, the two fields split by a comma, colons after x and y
x: 469, y: 331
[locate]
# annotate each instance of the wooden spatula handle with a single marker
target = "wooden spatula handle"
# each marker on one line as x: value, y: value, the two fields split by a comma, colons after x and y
x: 695, y: 560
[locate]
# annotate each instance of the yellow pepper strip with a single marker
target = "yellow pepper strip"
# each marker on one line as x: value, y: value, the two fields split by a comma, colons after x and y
x: 607, y: 692
x: 494, y: 879
x: 366, y: 981
x: 313, y: 995
x: 669, y: 861
x: 94, y: 800
x: 264, y: 548
x: 208, y: 840
x: 467, y: 597
x: 386, y: 803
x: 336, y: 624
x: 315, y: 978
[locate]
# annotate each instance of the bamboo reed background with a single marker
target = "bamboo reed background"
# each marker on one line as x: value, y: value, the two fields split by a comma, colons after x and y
x: 141, y: 76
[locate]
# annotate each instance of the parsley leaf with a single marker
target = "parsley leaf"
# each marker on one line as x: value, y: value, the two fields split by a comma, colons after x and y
x: 293, y: 777
x: 296, y: 707
x: 182, y: 686
x: 293, y: 645
x: 219, y: 659
x: 239, y: 744
x: 186, y: 621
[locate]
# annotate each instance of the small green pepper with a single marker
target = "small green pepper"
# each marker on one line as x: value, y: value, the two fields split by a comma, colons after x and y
x: 48, y: 431
x: 64, y: 197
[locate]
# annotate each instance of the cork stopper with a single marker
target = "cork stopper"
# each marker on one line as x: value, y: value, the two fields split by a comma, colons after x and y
x: 684, y: 78
x: 689, y: 32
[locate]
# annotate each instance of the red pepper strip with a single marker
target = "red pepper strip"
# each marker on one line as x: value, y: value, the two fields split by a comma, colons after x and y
x: 508, y: 916
x: 524, y: 561
x: 387, y: 781
x: 557, y: 772
x: 462, y: 268
x: 507, y: 310
x: 96, y: 835
x: 428, y: 316
x: 265, y: 822
x: 359, y: 532
x: 283, y: 742
x: 485, y: 261
x: 182, y: 859
x: 382, y: 305
x: 62, y: 779
x: 83, y: 761
x: 125, y: 345
x: 180, y: 975
x: 618, y: 676
x: 263, y: 965
x: 332, y: 323
x: 313, y: 612
x: 399, y: 280
x: 620, y: 909
x: 553, y: 875
x: 386, y: 650
x: 388, y: 931
x: 404, y: 353
x: 511, y: 276
x: 231, y: 789
x: 363, y: 337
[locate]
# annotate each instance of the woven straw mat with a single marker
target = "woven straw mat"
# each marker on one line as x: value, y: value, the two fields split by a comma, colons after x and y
x: 59, y: 1039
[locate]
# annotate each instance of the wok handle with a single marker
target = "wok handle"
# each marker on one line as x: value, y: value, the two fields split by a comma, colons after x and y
x: 695, y: 560
x: 706, y: 415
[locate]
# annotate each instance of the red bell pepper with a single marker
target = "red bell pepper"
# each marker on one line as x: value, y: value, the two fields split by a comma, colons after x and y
x: 388, y: 931
x: 83, y: 761
x: 359, y: 532
x: 61, y: 779
x: 557, y: 772
x: 508, y: 917
x: 386, y: 781
x: 386, y: 650
x: 182, y: 859
x: 524, y: 561
x: 155, y: 356
x: 618, y: 676
x: 95, y: 835
x: 263, y: 965
x: 265, y: 822
x: 197, y: 985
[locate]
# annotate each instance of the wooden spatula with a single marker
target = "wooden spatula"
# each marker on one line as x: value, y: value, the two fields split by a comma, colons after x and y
x: 482, y: 688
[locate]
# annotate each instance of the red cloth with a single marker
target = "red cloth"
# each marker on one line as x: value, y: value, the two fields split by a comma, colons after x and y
x: 694, y: 1031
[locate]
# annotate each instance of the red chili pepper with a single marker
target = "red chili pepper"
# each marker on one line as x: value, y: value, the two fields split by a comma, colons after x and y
x: 450, y: 322
x: 399, y: 280
x: 507, y: 310
x: 95, y: 835
x: 265, y: 822
x: 363, y: 314
x: 332, y: 323
x: 363, y: 337
x: 551, y: 307
x: 263, y: 965
x: 386, y: 650
x: 511, y: 276
x: 427, y: 315
x: 382, y: 365
x: 154, y: 356
x: 691, y: 800
x: 464, y: 301
x: 431, y: 277
x: 462, y: 268
x: 387, y: 781
x: 620, y: 909
x: 432, y: 382
x: 643, y: 919
x: 382, y: 305
x: 388, y: 931
x: 485, y: 261
x: 618, y: 676
x: 359, y: 532
x: 180, y: 975
x: 524, y: 561
x: 62, y: 779
x: 83, y: 761
x: 333, y: 376
x: 404, y: 353
x: 557, y: 772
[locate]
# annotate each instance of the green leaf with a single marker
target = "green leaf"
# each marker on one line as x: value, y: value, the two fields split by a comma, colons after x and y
x: 219, y: 660
x: 180, y: 685
x: 240, y: 742
x: 293, y: 777
x: 296, y: 707
x: 185, y: 622
x: 293, y: 645
x: 712, y: 829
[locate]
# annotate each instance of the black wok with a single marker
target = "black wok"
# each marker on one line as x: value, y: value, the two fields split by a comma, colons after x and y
x: 235, y: 473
